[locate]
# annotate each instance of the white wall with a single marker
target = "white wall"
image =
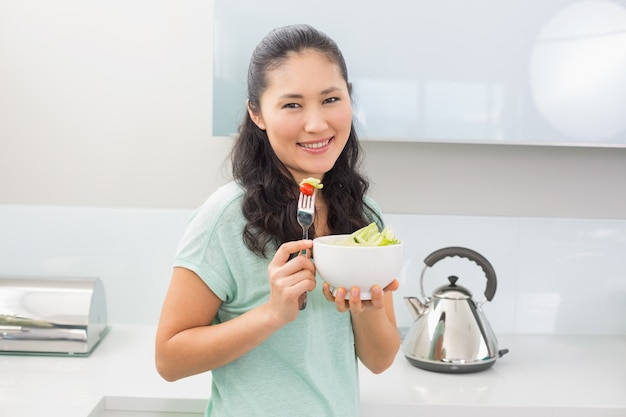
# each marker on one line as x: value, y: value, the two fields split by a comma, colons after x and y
x: 499, y: 180
x: 107, y: 103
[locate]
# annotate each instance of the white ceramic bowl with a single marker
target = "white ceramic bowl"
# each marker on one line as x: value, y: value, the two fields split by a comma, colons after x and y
x: 361, y: 266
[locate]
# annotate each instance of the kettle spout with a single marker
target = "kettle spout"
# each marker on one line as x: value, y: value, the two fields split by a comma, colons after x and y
x: 416, y: 307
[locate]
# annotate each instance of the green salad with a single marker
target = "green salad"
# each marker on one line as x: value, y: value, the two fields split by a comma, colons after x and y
x: 369, y: 236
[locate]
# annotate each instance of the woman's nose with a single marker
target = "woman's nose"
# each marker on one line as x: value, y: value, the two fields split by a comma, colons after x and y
x: 315, y: 120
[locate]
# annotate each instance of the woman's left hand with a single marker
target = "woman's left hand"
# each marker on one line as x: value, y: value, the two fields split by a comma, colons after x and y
x: 354, y: 304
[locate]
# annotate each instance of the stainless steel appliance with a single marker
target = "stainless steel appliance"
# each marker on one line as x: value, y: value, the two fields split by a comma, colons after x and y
x: 51, y: 316
x: 451, y: 333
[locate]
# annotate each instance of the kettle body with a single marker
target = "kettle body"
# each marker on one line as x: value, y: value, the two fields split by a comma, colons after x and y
x: 450, y: 332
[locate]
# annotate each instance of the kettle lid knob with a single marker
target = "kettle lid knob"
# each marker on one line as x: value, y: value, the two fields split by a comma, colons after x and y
x: 452, y: 291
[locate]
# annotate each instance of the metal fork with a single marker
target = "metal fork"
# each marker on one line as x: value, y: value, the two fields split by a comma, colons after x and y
x: 306, y: 212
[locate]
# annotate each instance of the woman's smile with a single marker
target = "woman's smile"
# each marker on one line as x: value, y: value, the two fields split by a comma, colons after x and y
x: 315, y: 146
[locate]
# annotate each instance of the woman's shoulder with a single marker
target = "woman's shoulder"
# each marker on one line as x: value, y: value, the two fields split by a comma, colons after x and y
x: 373, y: 211
x: 223, y: 197
x: 372, y: 204
x: 370, y: 201
x: 226, y: 192
x: 223, y: 202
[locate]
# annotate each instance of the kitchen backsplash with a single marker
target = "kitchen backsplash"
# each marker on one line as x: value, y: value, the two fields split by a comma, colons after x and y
x: 554, y: 275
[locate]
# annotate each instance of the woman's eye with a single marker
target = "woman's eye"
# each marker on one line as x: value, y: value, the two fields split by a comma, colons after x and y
x: 291, y: 106
x: 331, y: 100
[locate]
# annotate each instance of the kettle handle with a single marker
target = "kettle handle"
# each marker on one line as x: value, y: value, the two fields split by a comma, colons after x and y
x: 480, y: 260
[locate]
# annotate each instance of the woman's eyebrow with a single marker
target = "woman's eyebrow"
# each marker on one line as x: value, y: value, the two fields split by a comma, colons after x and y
x: 296, y: 95
x: 330, y: 90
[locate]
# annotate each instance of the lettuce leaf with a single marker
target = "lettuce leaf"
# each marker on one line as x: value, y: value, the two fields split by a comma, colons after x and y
x: 369, y: 236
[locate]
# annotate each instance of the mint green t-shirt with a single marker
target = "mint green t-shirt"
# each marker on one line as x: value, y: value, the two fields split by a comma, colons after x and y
x: 308, y: 367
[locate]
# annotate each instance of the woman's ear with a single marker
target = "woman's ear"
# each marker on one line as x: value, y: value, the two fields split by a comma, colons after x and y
x: 256, y: 117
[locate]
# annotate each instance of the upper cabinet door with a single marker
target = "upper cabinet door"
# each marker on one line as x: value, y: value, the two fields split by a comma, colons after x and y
x: 467, y: 71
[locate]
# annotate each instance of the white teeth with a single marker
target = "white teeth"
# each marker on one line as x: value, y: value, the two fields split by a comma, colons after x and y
x: 314, y: 145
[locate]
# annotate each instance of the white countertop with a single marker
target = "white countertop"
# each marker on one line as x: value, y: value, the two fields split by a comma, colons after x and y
x: 549, y: 376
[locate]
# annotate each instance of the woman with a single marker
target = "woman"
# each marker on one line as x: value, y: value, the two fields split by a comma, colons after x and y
x: 233, y: 304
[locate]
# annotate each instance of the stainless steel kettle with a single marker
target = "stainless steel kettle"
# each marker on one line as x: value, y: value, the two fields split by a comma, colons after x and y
x: 451, y: 333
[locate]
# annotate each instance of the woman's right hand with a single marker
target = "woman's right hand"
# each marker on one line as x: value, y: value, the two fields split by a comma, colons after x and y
x: 289, y: 279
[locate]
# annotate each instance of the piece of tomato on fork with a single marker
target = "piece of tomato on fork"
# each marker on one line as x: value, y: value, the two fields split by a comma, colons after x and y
x: 306, y: 188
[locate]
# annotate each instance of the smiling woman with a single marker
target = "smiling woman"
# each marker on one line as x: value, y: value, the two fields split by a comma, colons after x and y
x: 242, y: 267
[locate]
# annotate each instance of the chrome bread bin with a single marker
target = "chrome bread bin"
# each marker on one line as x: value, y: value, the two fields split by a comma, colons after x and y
x: 51, y: 316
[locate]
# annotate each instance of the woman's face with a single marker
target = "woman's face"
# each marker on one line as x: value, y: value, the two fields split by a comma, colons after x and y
x: 307, y: 113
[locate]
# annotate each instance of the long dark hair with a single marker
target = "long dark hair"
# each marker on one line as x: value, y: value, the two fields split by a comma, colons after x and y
x: 271, y: 193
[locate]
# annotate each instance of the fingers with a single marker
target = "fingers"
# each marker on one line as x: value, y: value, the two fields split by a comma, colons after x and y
x: 327, y: 292
x: 285, y: 251
x: 340, y: 300
x: 290, y: 278
x: 354, y: 303
x: 283, y: 263
x: 377, y: 297
x: 393, y: 285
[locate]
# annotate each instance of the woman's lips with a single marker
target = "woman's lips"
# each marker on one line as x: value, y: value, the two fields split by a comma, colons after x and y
x: 315, y: 145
